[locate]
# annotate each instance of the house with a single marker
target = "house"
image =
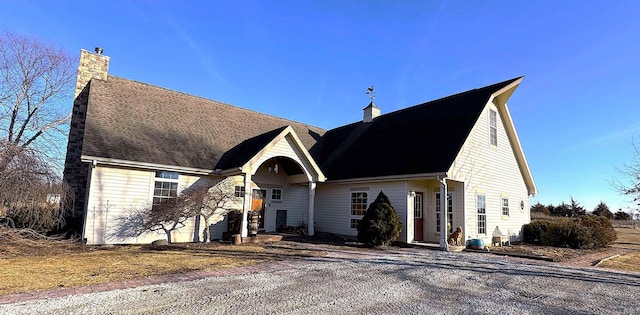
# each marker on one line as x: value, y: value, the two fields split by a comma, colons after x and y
x: 455, y: 161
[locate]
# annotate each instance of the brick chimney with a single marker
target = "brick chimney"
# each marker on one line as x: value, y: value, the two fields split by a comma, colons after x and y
x: 371, y: 112
x: 92, y: 65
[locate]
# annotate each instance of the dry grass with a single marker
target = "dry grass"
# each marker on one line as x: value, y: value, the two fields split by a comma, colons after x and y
x: 555, y: 253
x: 628, y: 262
x: 51, y: 264
x: 627, y: 239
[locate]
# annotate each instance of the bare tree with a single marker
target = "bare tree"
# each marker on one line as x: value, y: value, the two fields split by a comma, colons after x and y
x: 628, y: 183
x: 31, y: 194
x: 35, y: 79
x: 168, y: 216
x: 212, y: 201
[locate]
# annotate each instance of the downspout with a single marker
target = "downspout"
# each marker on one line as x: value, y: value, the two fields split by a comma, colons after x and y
x: 85, y: 207
x: 444, y: 202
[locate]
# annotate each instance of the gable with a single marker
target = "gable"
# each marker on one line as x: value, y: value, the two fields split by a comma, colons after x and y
x: 502, y: 166
x: 286, y: 147
x: 422, y: 139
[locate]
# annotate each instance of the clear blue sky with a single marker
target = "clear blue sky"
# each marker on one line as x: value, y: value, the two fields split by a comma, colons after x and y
x: 311, y: 61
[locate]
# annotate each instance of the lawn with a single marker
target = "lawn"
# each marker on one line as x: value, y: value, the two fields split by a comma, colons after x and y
x: 627, y: 239
x: 40, y: 265
x: 49, y: 265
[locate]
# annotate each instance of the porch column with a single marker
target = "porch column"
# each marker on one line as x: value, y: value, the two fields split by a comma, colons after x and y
x: 312, y: 202
x: 444, y: 202
x: 246, y: 205
x: 410, y: 226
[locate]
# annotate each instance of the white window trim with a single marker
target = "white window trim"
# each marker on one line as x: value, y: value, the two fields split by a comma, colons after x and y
x: 241, y: 191
x: 450, y: 198
x: 356, y: 216
x: 279, y: 199
x: 415, y: 199
x: 493, y: 114
x: 502, y: 199
x: 163, y: 180
x: 478, y: 214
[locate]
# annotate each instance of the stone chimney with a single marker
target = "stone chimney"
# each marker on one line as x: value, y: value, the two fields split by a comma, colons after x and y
x: 371, y: 112
x: 92, y: 65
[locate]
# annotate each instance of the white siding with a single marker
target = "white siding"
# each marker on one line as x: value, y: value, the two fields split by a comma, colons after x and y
x: 294, y: 201
x: 493, y: 171
x: 295, y: 197
x: 285, y: 147
x: 429, y: 188
x: 333, y: 205
x: 116, y: 193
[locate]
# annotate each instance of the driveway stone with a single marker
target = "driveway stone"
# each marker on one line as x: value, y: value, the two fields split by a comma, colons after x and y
x: 397, y: 281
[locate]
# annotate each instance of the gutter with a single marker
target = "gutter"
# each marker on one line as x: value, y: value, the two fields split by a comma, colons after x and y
x: 388, y: 178
x: 151, y: 166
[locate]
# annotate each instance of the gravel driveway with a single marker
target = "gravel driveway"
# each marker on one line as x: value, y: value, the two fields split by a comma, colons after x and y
x: 398, y: 281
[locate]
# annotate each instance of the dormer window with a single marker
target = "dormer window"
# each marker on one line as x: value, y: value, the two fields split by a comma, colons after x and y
x: 493, y: 127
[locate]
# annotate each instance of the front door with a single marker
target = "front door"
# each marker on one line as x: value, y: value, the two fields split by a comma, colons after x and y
x: 258, y: 205
x: 418, y: 216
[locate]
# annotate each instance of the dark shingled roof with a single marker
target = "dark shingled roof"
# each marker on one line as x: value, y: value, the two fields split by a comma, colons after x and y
x: 424, y: 138
x: 133, y: 121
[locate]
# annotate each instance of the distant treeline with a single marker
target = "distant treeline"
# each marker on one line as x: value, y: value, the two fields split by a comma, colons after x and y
x: 574, y: 209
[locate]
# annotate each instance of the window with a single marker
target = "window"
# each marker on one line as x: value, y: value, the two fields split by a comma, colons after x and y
x: 358, y: 203
x: 449, y: 211
x: 482, y: 214
x: 276, y: 194
x: 165, y: 186
x: 239, y: 191
x: 417, y: 205
x: 493, y: 127
x: 358, y: 207
x: 505, y: 206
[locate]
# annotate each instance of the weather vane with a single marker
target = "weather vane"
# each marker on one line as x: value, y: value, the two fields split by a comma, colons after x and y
x: 371, y: 93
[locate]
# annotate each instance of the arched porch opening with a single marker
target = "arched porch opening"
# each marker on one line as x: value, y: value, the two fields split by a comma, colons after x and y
x: 281, y: 192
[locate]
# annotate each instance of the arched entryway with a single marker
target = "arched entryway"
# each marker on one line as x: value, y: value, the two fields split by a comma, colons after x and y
x: 280, y: 183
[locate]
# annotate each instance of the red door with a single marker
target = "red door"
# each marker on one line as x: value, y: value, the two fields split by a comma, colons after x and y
x: 418, y: 216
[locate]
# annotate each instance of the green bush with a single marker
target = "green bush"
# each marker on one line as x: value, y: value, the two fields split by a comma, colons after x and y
x: 586, y: 232
x: 534, y: 230
x: 600, y: 229
x: 564, y: 233
x: 380, y: 224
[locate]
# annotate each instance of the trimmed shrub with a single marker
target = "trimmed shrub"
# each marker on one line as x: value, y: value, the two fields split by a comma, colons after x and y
x: 534, y: 230
x: 380, y: 224
x: 586, y: 232
x: 601, y: 231
x: 564, y: 233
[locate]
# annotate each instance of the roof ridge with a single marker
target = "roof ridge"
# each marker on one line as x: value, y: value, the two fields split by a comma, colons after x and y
x: 211, y: 100
x: 453, y: 96
x: 431, y: 101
